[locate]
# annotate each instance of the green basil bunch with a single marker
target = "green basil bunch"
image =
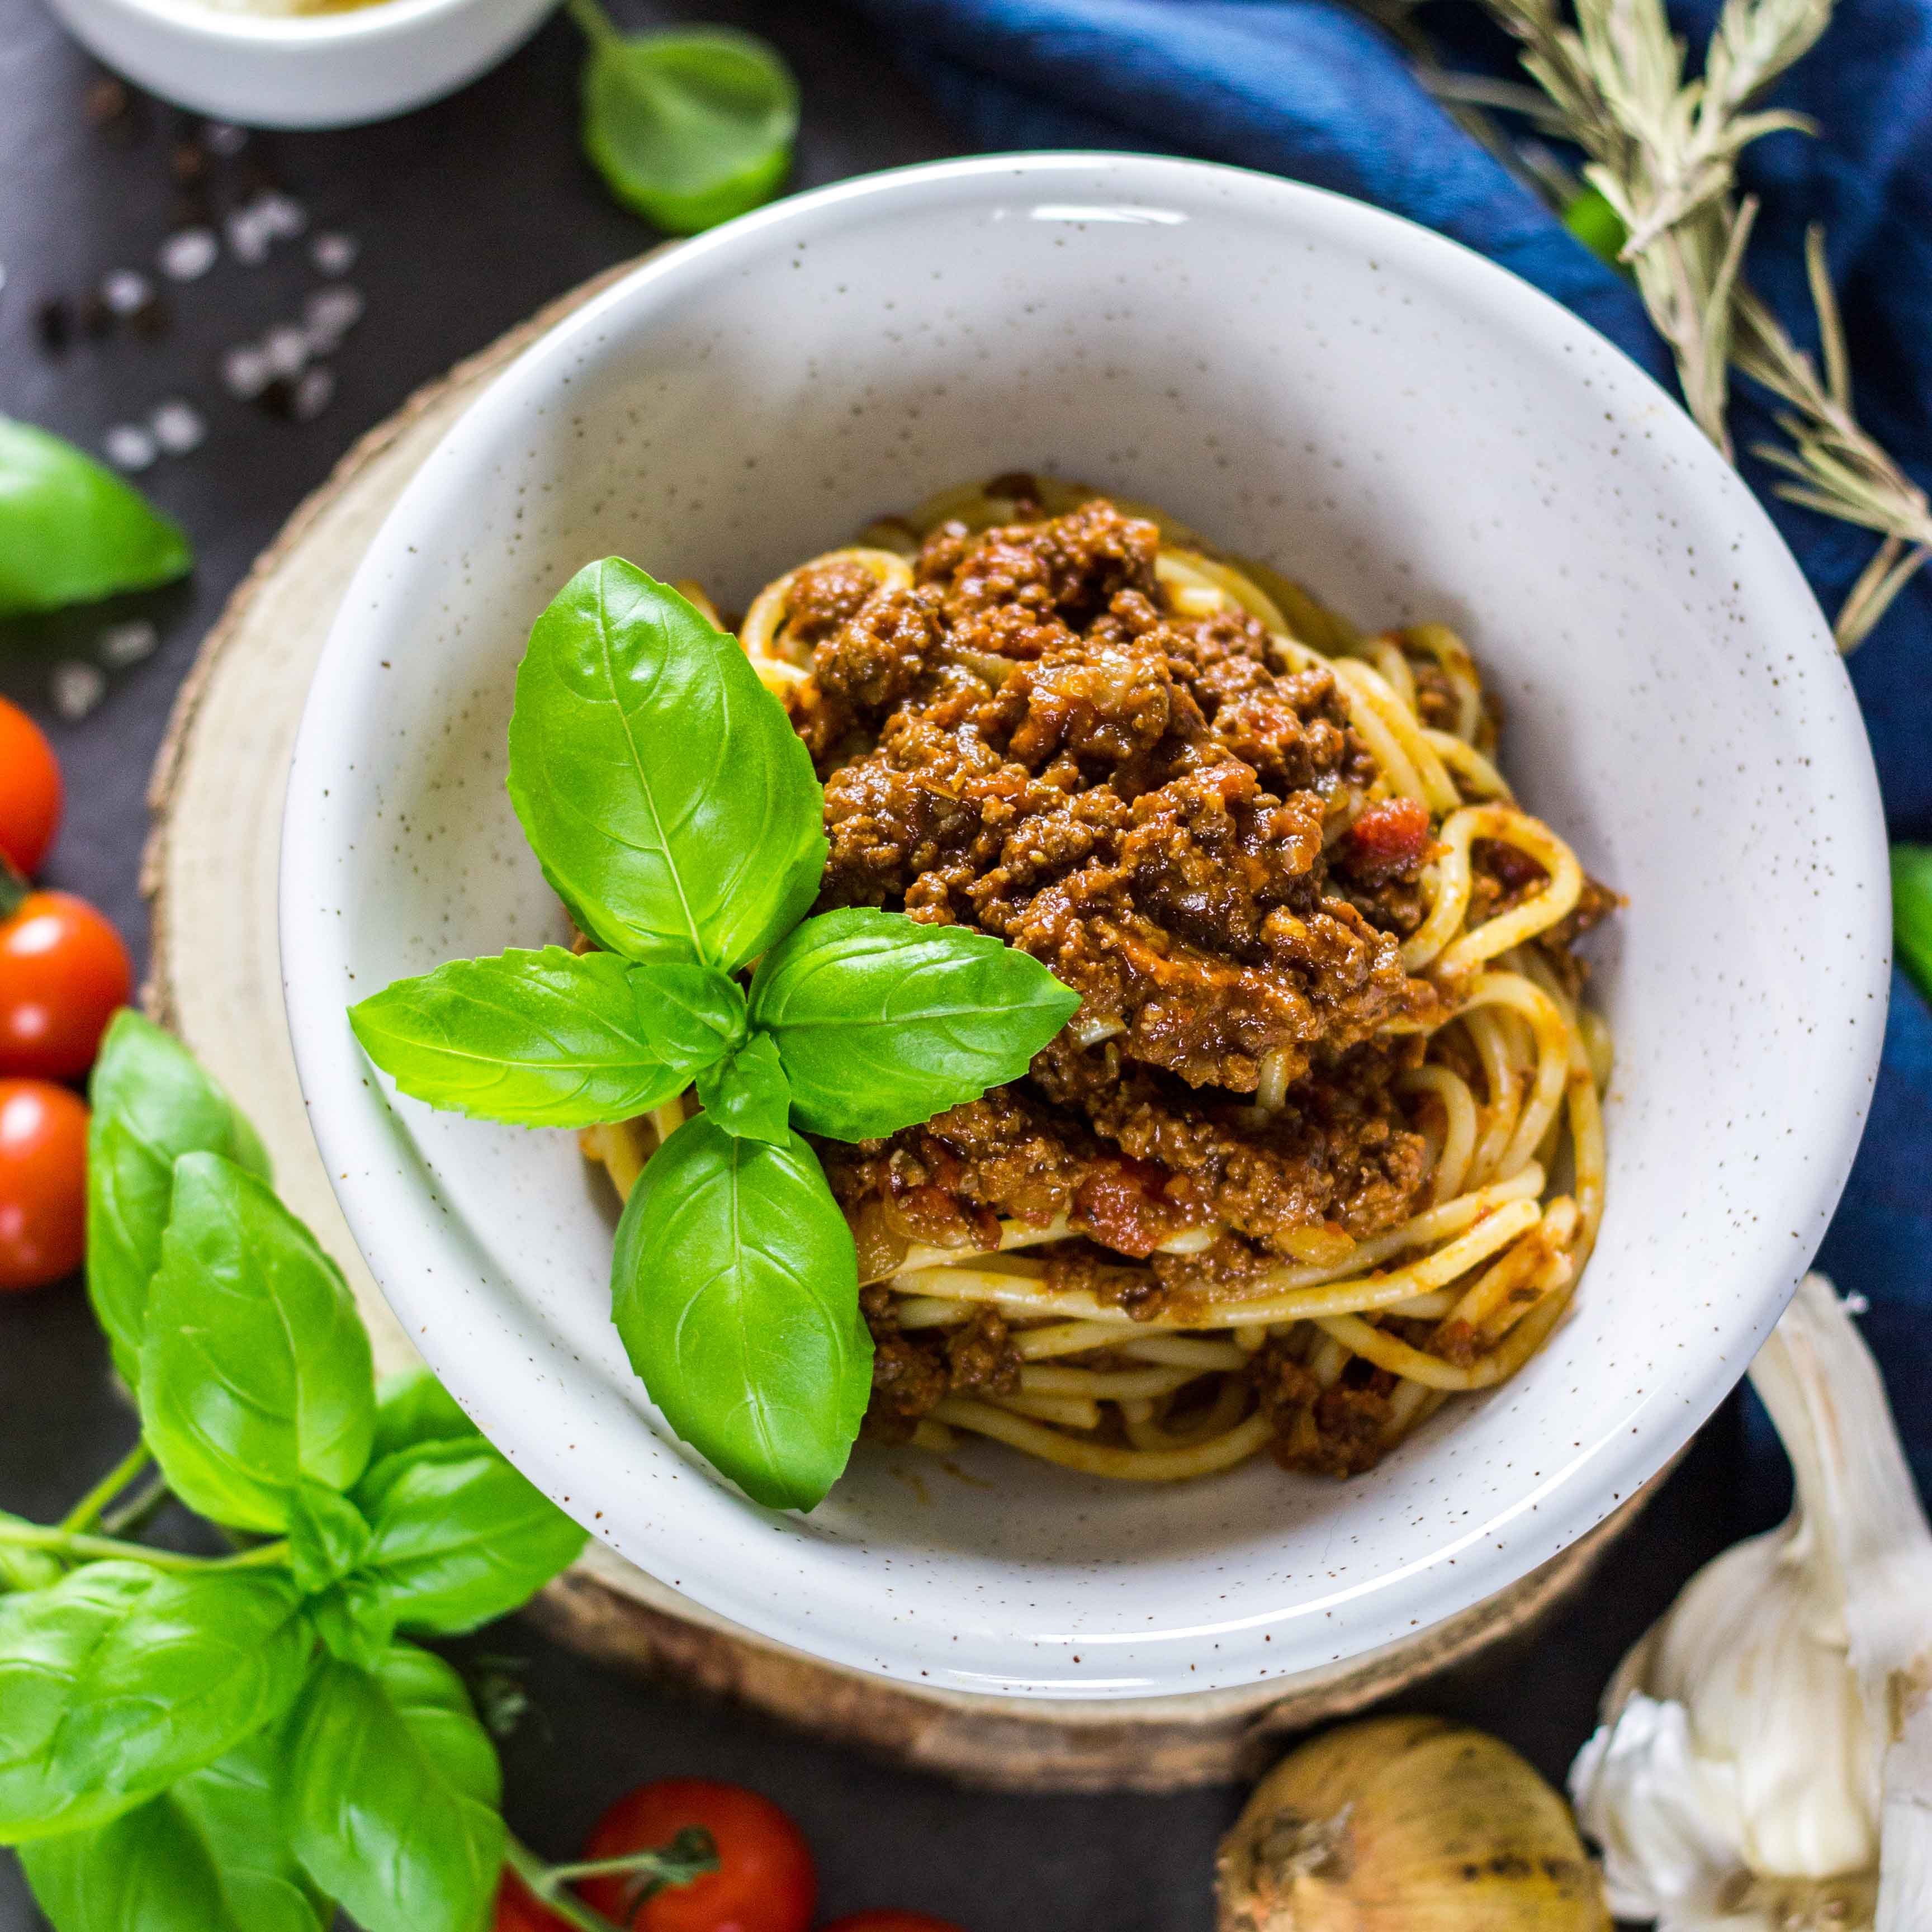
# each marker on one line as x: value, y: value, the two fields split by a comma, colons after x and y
x: 675, y: 813
x: 232, y: 1744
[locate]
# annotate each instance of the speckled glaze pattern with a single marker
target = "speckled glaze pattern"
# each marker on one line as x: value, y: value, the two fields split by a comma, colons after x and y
x: 1374, y: 409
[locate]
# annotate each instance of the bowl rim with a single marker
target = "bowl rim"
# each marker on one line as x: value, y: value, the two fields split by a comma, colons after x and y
x: 374, y: 21
x: 1482, y: 1557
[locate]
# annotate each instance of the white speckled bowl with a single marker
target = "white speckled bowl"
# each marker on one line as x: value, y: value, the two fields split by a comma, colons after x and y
x: 329, y: 69
x: 1372, y: 408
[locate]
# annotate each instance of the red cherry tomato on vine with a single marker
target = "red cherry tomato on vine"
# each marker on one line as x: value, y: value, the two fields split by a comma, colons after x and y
x: 889, y: 1921
x: 765, y: 1881
x: 43, y: 1183
x: 519, y: 1910
x: 30, y: 790
x: 63, y: 972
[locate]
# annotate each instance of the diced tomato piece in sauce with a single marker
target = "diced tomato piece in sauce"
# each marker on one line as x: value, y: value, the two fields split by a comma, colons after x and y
x: 1387, y: 840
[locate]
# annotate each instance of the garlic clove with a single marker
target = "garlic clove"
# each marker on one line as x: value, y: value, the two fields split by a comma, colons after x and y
x: 1766, y: 1758
x: 1406, y: 1825
x: 1665, y: 1821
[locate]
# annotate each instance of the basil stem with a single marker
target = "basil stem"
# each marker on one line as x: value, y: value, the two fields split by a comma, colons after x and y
x: 69, y: 1542
x: 88, y: 1511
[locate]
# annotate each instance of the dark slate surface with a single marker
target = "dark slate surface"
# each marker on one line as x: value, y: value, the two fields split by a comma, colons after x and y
x: 470, y: 215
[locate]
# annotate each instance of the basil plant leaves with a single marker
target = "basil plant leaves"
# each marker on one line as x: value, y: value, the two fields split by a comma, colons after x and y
x: 676, y: 814
x: 237, y: 1743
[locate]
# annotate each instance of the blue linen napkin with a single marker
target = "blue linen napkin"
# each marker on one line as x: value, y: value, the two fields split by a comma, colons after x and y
x: 1308, y: 89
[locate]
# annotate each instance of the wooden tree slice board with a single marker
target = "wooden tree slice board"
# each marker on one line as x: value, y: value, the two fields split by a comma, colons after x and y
x: 210, y: 876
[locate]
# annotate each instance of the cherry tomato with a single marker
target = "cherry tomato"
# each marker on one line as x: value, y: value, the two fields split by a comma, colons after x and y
x: 43, y: 1183
x: 30, y: 790
x: 765, y: 1881
x: 889, y: 1921
x: 63, y: 972
x: 518, y: 1909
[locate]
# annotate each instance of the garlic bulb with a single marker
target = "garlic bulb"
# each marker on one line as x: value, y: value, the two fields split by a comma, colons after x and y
x: 1766, y: 1761
x: 1405, y: 1825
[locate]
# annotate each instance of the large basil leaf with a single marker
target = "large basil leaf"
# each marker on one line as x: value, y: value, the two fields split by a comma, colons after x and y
x: 151, y: 1104
x: 735, y: 1288
x: 689, y: 127
x: 70, y: 531
x: 552, y: 1039
x: 458, y: 1537
x: 256, y: 1371
x: 882, y: 1022
x: 748, y: 1095
x: 411, y: 1406
x: 662, y: 787
x: 390, y: 1794
x: 207, y: 1855
x: 123, y: 1677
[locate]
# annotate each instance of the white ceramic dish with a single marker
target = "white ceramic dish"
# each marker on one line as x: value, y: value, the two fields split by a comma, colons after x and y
x: 1371, y: 407
x: 309, y: 70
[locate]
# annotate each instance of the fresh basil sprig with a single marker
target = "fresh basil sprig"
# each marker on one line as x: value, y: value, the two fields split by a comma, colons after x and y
x: 234, y: 1744
x: 70, y: 531
x: 675, y: 812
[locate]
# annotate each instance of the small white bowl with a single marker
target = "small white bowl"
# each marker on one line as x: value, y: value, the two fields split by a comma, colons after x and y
x: 302, y: 71
x: 1368, y: 405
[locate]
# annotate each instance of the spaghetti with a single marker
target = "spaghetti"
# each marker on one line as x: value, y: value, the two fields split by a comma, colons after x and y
x: 1323, y: 1146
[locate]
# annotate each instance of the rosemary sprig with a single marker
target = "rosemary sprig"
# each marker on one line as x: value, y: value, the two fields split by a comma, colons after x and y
x: 1663, y: 151
x: 1841, y: 470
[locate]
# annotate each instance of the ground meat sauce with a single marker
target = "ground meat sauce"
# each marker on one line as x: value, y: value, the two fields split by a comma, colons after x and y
x: 1026, y: 741
x: 911, y: 1372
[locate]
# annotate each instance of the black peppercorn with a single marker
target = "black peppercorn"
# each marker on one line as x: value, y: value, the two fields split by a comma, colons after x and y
x: 53, y: 323
x: 278, y: 397
x: 153, y: 319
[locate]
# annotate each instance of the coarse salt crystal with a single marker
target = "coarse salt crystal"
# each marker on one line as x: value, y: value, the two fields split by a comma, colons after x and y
x: 331, y: 313
x: 120, y: 645
x: 334, y: 254
x: 287, y: 348
x: 125, y: 289
x: 247, y: 236
x: 129, y: 446
x: 75, y: 688
x: 281, y: 214
x: 189, y: 254
x: 245, y: 371
x: 178, y: 426
x: 312, y: 394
